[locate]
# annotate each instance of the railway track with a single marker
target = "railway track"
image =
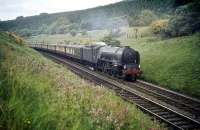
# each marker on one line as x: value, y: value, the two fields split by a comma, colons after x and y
x: 174, y: 119
x: 189, y: 105
x: 185, y: 104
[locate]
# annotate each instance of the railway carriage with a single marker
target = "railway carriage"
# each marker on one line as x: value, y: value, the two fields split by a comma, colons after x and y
x: 90, y: 54
x: 74, y: 50
x: 52, y: 47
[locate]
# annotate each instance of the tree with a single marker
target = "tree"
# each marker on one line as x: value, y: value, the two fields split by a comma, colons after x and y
x: 84, y: 33
x: 86, y: 26
x: 159, y: 26
x: 19, y: 17
x: 145, y: 18
x: 186, y: 20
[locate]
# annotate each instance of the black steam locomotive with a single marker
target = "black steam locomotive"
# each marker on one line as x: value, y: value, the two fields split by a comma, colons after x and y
x: 117, y: 61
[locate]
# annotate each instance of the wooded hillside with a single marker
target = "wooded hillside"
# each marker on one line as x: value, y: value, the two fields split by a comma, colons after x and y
x: 120, y: 14
x: 125, y: 13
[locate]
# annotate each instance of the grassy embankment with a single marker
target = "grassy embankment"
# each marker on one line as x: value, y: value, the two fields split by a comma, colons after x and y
x: 173, y: 63
x: 39, y: 94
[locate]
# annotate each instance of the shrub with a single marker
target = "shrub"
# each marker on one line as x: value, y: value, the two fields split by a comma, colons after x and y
x: 19, y: 17
x: 17, y: 38
x: 159, y: 26
x: 185, y: 21
x: 86, y: 26
x: 84, y: 33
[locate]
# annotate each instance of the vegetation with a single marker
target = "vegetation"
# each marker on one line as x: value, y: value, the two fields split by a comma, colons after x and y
x: 183, y: 18
x: 159, y: 26
x: 145, y: 18
x: 39, y: 94
x: 173, y: 63
x: 110, y: 41
x: 125, y: 13
x: 185, y: 21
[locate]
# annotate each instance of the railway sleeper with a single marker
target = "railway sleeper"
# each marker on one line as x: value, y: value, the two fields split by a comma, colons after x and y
x: 169, y: 116
x: 132, y: 98
x: 197, y: 107
x: 129, y: 95
x: 141, y: 102
x: 149, y: 106
x: 156, y: 110
x: 175, y: 119
x: 124, y: 91
x: 188, y: 126
x: 137, y: 100
x: 125, y: 95
x: 163, y: 113
x: 180, y: 123
x: 153, y: 108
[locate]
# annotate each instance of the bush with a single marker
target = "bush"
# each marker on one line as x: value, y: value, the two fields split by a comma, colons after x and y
x: 86, y: 26
x: 185, y: 21
x: 16, y: 38
x: 84, y: 33
x: 19, y: 18
x: 159, y: 26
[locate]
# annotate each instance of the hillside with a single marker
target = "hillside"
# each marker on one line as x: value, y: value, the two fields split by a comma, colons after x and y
x: 183, y: 18
x: 172, y: 63
x: 111, y: 16
x: 39, y: 94
x: 142, y: 24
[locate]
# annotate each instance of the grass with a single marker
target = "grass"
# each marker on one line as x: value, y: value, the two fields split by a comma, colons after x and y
x: 89, y: 38
x: 39, y: 94
x: 173, y: 63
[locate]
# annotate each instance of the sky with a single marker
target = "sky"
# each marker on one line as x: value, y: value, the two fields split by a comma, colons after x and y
x: 10, y: 9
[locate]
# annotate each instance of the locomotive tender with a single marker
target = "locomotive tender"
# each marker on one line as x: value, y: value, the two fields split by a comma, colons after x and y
x: 117, y: 61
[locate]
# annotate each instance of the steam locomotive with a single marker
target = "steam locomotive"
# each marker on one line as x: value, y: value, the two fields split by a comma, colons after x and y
x: 123, y: 62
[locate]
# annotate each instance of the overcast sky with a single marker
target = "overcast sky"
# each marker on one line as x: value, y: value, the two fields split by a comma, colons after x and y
x: 10, y: 9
